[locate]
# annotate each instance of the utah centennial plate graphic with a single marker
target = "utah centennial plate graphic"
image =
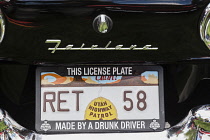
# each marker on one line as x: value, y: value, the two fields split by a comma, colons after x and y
x: 99, y: 99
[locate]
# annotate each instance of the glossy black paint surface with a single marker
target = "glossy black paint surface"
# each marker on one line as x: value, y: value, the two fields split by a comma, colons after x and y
x: 172, y: 26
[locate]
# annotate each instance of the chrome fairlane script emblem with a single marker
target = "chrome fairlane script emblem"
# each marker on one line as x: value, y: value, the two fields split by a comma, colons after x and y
x: 94, y: 47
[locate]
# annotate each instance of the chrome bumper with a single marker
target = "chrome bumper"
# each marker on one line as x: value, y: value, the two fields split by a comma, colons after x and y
x: 196, y: 126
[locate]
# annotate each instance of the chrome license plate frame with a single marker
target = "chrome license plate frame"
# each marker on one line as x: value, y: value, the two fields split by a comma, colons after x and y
x: 47, y: 99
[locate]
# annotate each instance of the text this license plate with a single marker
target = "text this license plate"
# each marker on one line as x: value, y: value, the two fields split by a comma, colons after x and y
x: 99, y: 99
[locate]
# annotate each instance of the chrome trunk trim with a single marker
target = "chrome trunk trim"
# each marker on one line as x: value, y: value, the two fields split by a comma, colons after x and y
x: 2, y: 26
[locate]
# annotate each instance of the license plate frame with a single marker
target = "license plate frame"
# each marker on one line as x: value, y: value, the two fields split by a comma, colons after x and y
x: 46, y: 126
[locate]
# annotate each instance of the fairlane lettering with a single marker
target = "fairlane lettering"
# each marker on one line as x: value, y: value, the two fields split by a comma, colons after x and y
x: 95, y: 47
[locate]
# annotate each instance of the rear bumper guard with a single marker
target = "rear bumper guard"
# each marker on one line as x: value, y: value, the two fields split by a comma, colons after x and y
x: 195, y: 126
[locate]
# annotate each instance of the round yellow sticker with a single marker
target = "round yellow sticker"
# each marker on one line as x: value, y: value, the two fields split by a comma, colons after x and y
x: 101, y: 109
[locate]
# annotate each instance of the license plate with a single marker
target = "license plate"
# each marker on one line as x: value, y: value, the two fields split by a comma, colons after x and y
x: 99, y: 98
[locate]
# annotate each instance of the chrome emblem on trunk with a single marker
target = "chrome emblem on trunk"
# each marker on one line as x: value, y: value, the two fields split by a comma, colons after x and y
x: 102, y: 24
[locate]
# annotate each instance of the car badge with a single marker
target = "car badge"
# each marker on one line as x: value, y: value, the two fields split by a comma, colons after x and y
x: 102, y: 24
